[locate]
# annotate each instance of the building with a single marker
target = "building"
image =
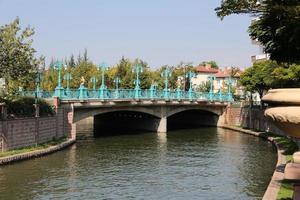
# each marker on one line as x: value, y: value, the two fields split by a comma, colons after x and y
x: 221, y: 78
x: 202, y: 74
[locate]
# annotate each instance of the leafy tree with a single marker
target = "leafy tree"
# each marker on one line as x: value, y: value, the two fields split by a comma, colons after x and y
x: 258, y: 77
x: 72, y: 61
x: 203, y: 87
x: 18, y: 64
x: 277, y: 27
x: 212, y: 63
x: 85, y: 56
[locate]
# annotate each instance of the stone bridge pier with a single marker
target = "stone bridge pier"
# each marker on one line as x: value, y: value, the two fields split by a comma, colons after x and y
x: 104, y: 117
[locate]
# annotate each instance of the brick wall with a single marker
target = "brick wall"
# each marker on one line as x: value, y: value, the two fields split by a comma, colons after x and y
x: 250, y: 118
x: 18, y: 133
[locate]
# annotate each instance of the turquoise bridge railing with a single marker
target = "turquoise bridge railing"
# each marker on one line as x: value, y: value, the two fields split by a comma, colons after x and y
x: 130, y: 94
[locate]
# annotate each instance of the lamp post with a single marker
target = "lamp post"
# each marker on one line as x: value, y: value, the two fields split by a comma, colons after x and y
x: 94, y: 81
x: 103, y: 67
x: 68, y: 77
x: 166, y: 74
x: 229, y: 82
x: 59, y: 90
x: 37, y: 93
x: 190, y: 75
x: 211, y: 79
x: 117, y: 81
x: 137, y: 69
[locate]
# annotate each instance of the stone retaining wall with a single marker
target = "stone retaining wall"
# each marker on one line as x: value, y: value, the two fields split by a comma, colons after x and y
x: 24, y: 132
x: 250, y: 118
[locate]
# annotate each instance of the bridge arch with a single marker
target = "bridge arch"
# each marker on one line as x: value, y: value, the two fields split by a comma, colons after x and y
x: 191, y: 118
x: 175, y: 111
x: 85, y: 113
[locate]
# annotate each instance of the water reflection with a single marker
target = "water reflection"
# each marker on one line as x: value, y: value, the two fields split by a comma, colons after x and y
x: 206, y: 163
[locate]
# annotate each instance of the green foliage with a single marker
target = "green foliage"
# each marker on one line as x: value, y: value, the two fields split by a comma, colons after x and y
x: 212, y: 63
x: 204, y: 87
x: 277, y: 27
x: 229, y: 7
x: 24, y: 107
x: 257, y: 78
x: 286, y: 191
x: 268, y: 74
x: 18, y: 64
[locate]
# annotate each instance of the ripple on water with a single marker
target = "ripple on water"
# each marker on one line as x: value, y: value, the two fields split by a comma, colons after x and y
x: 206, y: 163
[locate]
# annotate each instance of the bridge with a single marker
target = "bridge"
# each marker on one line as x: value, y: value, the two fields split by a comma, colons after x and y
x: 104, y: 110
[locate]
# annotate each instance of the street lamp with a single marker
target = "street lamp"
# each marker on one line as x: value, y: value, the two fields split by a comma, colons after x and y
x: 190, y: 75
x: 211, y: 78
x: 137, y: 69
x: 166, y: 74
x: 37, y: 93
x: 68, y: 77
x: 94, y: 81
x: 59, y: 90
x: 117, y: 81
x: 103, y: 67
x: 229, y: 82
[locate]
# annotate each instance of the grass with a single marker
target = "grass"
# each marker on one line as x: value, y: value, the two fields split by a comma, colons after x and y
x: 32, y: 148
x: 289, y: 147
x: 286, y: 191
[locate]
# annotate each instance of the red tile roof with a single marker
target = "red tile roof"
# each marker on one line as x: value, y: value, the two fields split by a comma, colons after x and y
x: 206, y: 69
x: 227, y: 73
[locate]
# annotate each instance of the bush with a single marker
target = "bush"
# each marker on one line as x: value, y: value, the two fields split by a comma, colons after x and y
x: 24, y: 107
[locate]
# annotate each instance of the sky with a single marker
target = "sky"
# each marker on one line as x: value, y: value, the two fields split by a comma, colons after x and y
x: 159, y: 32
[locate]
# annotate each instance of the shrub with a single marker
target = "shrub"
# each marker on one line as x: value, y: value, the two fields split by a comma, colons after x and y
x: 24, y: 107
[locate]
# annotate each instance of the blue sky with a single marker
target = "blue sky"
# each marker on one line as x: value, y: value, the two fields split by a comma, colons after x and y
x: 157, y: 31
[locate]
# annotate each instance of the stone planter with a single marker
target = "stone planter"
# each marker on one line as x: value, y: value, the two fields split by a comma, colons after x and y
x: 285, y: 110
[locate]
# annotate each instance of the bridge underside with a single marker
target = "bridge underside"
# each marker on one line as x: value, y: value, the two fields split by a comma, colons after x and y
x: 192, y: 119
x: 128, y: 122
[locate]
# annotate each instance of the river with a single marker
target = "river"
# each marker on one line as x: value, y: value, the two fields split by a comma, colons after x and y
x: 205, y: 163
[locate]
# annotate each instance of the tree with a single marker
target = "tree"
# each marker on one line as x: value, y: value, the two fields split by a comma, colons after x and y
x: 17, y: 57
x: 258, y: 77
x: 72, y: 61
x: 277, y: 27
x: 85, y: 56
x: 212, y: 63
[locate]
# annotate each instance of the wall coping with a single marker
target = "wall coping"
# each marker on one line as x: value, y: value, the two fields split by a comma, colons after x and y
x: 36, y: 153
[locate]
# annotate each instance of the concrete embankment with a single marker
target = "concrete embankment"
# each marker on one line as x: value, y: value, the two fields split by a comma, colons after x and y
x: 36, y: 153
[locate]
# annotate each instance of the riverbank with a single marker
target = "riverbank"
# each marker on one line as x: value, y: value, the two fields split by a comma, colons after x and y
x: 35, y: 152
x: 277, y: 188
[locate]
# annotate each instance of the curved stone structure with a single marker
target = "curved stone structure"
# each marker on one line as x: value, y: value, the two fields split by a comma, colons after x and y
x: 286, y: 111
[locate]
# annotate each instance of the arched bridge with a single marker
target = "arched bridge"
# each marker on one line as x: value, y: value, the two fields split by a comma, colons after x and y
x: 104, y: 116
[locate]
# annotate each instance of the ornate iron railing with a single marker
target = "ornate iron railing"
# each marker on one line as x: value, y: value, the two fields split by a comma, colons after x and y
x: 132, y: 94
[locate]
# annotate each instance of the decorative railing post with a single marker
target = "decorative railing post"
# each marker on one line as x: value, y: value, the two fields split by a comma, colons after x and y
x: 94, y: 81
x: 137, y: 69
x: 117, y: 81
x: 82, y: 90
x: 220, y: 94
x: 153, y: 91
x: 178, y: 93
x: 68, y: 77
x: 166, y: 74
x: 190, y: 75
x: 103, y: 89
x: 229, y: 85
x: 211, y: 79
x: 59, y: 90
